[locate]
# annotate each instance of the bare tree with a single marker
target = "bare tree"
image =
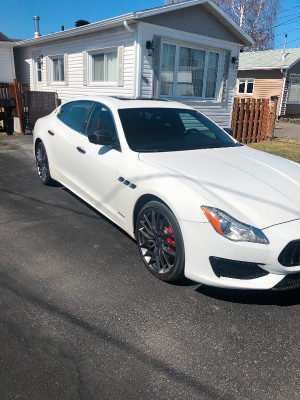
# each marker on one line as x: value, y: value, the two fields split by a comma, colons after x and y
x: 256, y: 17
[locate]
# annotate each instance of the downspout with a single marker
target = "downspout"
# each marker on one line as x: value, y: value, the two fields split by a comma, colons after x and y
x: 13, y: 62
x: 282, y: 92
x: 136, y: 72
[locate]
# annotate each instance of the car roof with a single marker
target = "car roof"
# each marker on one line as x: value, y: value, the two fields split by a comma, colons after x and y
x: 122, y: 102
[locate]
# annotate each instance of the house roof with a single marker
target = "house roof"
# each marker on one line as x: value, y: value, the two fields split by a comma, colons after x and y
x: 137, y: 16
x: 269, y: 59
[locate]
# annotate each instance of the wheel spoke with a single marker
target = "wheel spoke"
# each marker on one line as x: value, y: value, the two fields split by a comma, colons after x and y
x: 146, y: 235
x: 149, y: 230
x: 168, y: 251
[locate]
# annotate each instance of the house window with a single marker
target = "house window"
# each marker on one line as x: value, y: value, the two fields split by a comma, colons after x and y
x: 57, y: 69
x: 245, y: 86
x: 39, y: 69
x: 294, y: 90
x: 104, y: 66
x: 189, y: 72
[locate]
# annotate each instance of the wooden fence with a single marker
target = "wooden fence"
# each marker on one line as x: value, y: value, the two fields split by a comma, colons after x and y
x: 253, y: 120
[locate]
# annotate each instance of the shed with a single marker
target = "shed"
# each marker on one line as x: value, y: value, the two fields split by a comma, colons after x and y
x: 185, y: 51
x: 263, y: 74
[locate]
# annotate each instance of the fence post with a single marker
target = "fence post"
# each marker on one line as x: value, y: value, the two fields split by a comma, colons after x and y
x: 270, y: 133
x: 18, y: 102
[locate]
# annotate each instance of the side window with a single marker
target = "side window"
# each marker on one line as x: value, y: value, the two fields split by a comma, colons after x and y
x: 74, y: 114
x: 101, y: 120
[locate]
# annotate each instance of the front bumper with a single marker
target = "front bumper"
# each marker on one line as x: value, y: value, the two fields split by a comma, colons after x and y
x: 202, y: 242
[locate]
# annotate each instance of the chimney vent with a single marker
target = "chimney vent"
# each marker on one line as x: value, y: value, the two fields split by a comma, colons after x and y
x: 37, y: 27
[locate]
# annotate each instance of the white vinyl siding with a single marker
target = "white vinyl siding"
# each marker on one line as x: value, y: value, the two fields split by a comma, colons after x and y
x: 74, y: 49
x: 219, y: 111
x: 294, y: 89
x: 6, y: 65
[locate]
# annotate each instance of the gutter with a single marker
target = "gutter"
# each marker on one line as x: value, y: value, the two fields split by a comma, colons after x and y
x: 85, y: 29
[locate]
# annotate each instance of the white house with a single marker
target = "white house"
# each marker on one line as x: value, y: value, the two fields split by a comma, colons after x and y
x: 7, y: 65
x: 186, y: 51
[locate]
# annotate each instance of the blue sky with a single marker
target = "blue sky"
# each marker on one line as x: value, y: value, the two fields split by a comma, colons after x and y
x: 16, y: 16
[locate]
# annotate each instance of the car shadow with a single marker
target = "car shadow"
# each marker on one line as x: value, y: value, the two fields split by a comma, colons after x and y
x: 282, y: 298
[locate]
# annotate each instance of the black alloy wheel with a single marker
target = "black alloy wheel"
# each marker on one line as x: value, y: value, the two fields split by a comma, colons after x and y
x: 160, y: 241
x: 42, y: 164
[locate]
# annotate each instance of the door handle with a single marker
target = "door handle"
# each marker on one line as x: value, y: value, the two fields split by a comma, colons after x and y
x: 51, y: 133
x: 81, y: 150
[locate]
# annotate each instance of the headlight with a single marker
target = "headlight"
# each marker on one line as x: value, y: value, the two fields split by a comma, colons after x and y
x: 232, y: 229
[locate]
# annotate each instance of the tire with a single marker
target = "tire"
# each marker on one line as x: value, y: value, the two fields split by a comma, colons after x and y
x: 160, y: 241
x: 42, y: 164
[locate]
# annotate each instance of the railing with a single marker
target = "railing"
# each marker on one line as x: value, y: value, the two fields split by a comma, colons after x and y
x: 253, y: 120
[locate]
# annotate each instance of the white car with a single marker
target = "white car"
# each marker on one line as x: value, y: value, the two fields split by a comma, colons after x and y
x: 199, y: 204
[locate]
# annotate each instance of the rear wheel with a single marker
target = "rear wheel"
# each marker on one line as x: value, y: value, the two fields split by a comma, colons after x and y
x: 42, y: 164
x: 160, y: 241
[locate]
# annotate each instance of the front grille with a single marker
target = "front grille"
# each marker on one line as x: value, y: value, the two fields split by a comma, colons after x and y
x: 290, y: 255
x: 236, y: 269
x: 291, y: 281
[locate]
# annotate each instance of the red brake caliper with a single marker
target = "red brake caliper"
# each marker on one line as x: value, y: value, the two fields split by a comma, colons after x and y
x: 170, y: 240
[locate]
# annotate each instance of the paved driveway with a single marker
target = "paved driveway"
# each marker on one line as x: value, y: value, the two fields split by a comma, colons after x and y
x: 287, y: 130
x: 81, y: 318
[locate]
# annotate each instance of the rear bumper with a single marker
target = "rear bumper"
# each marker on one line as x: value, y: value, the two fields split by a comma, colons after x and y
x: 202, y: 242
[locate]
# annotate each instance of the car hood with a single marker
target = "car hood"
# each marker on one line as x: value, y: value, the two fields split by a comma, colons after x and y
x: 252, y: 186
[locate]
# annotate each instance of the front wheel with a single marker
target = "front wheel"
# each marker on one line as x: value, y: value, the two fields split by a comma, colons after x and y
x: 42, y: 164
x: 160, y: 241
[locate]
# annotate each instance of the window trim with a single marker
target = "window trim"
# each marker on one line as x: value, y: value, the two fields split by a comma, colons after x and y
x: 194, y: 46
x: 246, y: 85
x: 289, y: 89
x: 90, y: 54
x: 51, y: 58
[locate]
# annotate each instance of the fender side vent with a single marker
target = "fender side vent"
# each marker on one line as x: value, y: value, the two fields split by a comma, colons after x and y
x: 290, y: 255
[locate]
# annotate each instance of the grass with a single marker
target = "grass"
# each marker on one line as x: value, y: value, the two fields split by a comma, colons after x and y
x: 285, y: 148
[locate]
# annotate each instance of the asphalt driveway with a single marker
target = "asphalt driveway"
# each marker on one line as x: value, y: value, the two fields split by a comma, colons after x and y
x: 81, y: 317
x: 287, y: 130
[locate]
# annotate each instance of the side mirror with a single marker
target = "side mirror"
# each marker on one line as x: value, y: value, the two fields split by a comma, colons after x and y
x: 101, y: 137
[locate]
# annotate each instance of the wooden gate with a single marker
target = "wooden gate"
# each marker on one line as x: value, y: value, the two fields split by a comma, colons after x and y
x: 253, y: 120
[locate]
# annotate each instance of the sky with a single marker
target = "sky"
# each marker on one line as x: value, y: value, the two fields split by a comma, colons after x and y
x: 16, y: 16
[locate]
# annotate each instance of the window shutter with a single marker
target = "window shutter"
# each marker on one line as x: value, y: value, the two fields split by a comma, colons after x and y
x: 226, y: 74
x: 48, y: 71
x: 121, y: 66
x: 156, y: 65
x: 85, y: 67
x: 66, y: 70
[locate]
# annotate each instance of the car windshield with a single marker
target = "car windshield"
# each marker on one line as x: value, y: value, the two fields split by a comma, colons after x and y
x: 170, y: 129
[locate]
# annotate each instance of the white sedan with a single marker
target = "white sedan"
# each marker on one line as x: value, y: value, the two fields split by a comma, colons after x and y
x: 199, y: 204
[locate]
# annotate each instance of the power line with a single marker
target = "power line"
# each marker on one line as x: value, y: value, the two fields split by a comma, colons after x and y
x: 283, y: 33
x: 290, y: 15
x: 295, y: 40
x: 287, y: 22
x: 288, y: 9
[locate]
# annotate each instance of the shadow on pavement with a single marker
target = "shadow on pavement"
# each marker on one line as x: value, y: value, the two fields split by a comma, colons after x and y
x: 262, y: 297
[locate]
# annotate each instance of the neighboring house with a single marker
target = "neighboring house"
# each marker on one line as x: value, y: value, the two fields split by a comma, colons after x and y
x: 7, y: 65
x: 263, y: 74
x: 186, y: 51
